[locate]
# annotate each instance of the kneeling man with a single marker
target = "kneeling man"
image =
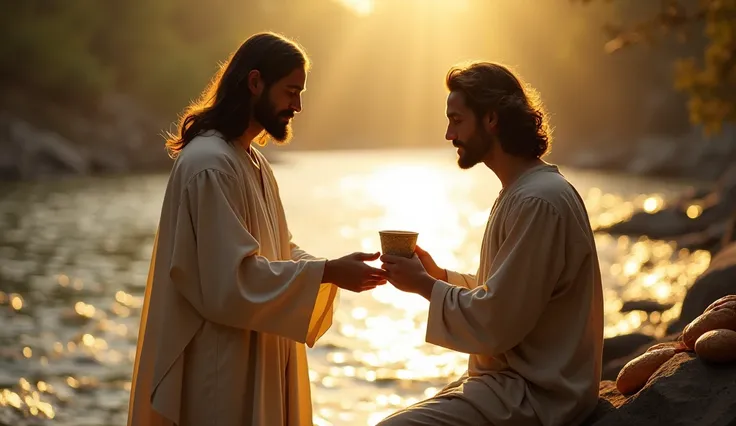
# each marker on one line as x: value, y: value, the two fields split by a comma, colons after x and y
x: 532, y: 317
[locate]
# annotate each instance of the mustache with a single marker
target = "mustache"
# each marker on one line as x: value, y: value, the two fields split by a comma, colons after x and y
x: 287, y: 113
x: 458, y: 144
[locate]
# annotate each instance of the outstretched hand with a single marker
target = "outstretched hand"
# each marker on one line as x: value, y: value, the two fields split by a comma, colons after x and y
x: 408, y: 275
x: 429, y: 264
x: 353, y: 274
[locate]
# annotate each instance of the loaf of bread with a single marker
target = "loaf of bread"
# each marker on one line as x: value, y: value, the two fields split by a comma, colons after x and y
x: 637, y: 372
x: 716, y: 318
x: 724, y: 302
x: 678, y: 346
x: 717, y: 346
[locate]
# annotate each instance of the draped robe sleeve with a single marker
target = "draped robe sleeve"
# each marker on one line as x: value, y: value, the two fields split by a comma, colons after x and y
x: 461, y: 280
x: 325, y: 303
x: 239, y: 288
x: 230, y: 301
x: 533, y: 324
x: 496, y: 316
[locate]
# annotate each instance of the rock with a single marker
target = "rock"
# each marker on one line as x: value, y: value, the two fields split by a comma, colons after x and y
x: 681, y: 392
x: 34, y: 153
x: 715, y: 156
x: 730, y: 235
x: 711, y: 239
x: 652, y: 156
x: 717, y: 281
x: 613, y: 365
x: 40, y: 136
x: 620, y: 346
x: 611, y: 156
x: 609, y: 399
x: 705, y: 231
x: 647, y: 306
x: 667, y: 223
x: 672, y: 222
x: 684, y: 154
x: 727, y: 182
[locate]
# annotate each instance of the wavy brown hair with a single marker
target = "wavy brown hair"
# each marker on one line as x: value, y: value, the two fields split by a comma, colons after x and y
x: 488, y: 87
x: 225, y: 105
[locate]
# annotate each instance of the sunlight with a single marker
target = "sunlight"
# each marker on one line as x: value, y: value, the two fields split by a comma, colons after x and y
x: 360, y: 7
x: 415, y: 198
x: 378, y: 337
x: 424, y: 199
x: 366, y: 7
x: 415, y: 36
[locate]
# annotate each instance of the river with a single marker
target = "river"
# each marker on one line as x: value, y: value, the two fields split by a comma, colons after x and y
x: 75, y: 254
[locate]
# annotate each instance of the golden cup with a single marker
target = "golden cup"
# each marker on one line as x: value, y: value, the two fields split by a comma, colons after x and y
x: 398, y: 243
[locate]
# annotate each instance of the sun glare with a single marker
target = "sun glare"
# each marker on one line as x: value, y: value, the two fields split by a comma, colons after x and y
x: 360, y: 7
x: 367, y: 7
x: 417, y: 198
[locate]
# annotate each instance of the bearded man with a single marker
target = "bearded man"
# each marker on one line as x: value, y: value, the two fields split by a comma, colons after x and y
x: 531, y: 318
x: 231, y: 301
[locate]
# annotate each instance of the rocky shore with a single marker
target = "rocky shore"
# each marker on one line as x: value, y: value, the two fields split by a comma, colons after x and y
x: 48, y: 140
x: 685, y: 390
x: 717, y: 281
x: 45, y: 139
x: 690, y: 155
x: 699, y: 220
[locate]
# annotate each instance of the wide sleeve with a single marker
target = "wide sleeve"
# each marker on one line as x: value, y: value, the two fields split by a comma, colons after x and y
x: 216, y: 266
x: 325, y: 303
x: 496, y: 316
x: 297, y: 253
x: 461, y: 280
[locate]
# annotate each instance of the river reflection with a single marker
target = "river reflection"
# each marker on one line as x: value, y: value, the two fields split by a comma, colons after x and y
x: 75, y: 256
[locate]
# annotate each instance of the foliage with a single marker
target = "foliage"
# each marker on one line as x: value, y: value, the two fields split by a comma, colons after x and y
x: 710, y: 80
x: 79, y: 50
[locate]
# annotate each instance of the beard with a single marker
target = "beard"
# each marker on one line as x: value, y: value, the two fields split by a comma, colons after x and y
x: 275, y: 123
x: 474, y: 150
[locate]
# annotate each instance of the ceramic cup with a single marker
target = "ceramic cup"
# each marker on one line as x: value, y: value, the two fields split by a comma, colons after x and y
x: 398, y: 243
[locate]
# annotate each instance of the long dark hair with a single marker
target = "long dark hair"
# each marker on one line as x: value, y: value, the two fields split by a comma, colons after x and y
x: 225, y: 105
x: 522, y: 126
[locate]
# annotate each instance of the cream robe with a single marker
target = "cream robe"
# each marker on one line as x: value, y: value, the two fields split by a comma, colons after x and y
x: 230, y: 300
x: 534, y: 328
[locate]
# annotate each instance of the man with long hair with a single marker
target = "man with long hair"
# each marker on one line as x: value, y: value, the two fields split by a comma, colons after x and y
x: 231, y: 301
x: 532, y: 317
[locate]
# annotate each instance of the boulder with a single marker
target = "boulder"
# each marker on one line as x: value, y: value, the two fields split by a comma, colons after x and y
x: 717, y: 281
x: 672, y: 222
x: 622, y: 349
x: 609, y: 400
x: 644, y: 305
x: 711, y: 239
x: 43, y: 137
x: 705, y: 231
x: 683, y: 154
x: 31, y: 152
x: 684, y: 391
x: 620, y: 346
x: 667, y: 223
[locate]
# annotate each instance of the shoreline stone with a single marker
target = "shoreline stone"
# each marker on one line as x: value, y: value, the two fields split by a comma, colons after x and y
x: 680, y: 392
